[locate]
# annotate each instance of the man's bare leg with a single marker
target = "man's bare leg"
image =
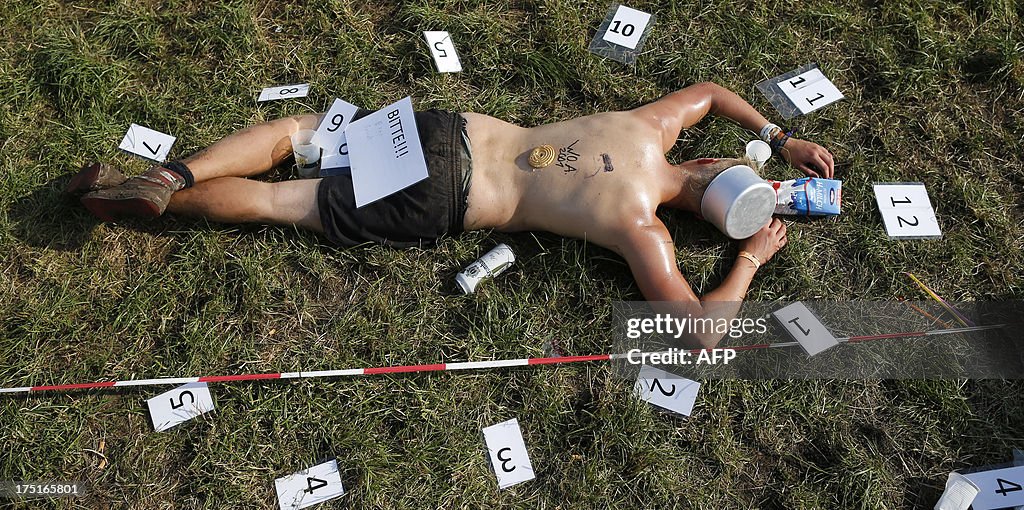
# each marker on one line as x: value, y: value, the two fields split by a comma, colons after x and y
x: 221, y: 195
x: 251, y: 151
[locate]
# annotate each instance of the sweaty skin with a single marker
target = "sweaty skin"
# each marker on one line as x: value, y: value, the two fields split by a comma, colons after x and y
x: 579, y: 199
x: 609, y: 177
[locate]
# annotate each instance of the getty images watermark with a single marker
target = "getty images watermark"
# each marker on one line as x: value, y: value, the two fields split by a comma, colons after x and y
x: 677, y: 327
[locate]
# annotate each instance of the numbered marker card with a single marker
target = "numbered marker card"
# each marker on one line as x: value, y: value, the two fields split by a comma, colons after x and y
x: 147, y: 143
x: 179, y: 405
x: 906, y: 211
x: 309, y: 487
x: 667, y: 390
x: 331, y: 137
x: 507, y: 451
x: 805, y: 328
x: 800, y: 91
x: 443, y: 50
x: 623, y: 33
x: 283, y: 92
x: 998, y: 488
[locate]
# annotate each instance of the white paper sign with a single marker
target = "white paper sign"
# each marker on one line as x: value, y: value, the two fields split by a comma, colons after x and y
x: 907, y: 211
x: 145, y: 142
x: 443, y: 50
x: 284, y: 92
x: 330, y: 136
x: 998, y: 488
x: 627, y: 27
x: 507, y: 451
x: 385, y: 152
x: 805, y: 328
x: 309, y: 487
x: 810, y: 90
x: 667, y: 390
x: 179, y: 405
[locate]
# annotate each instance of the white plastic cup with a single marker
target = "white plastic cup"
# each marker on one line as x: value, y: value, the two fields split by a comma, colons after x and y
x: 307, y: 153
x: 959, y: 494
x: 492, y: 264
x: 759, y: 152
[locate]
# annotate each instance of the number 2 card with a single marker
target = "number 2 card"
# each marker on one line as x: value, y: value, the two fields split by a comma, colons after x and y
x: 666, y: 390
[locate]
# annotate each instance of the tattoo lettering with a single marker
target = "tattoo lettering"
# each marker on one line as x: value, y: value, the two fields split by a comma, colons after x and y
x: 607, y: 163
x: 568, y: 155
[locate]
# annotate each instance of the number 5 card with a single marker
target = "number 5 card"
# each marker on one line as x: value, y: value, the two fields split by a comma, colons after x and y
x: 179, y: 405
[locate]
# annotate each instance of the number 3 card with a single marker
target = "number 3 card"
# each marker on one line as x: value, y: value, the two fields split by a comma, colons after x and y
x: 507, y: 451
x: 667, y: 390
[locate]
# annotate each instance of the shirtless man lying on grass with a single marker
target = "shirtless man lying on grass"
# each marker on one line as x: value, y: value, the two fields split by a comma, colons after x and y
x: 605, y: 188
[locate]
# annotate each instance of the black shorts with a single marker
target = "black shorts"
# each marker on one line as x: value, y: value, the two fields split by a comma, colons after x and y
x: 417, y: 215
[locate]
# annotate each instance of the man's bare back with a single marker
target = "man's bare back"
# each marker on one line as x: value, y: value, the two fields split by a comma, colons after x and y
x: 609, y: 173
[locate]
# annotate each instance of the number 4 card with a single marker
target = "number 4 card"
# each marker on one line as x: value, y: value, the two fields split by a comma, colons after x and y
x: 998, y: 488
x: 309, y: 486
x: 667, y: 390
x: 907, y: 211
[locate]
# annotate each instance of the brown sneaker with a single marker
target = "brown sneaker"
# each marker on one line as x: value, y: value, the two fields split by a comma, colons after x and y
x: 141, y: 196
x: 94, y: 177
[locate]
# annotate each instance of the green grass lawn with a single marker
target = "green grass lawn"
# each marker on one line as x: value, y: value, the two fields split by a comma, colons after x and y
x: 934, y: 93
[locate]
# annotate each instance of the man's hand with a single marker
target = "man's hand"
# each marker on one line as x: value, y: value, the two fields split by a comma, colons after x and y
x: 766, y: 241
x: 809, y: 157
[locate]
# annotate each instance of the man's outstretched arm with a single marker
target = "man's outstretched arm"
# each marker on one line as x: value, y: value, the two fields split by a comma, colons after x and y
x: 684, y: 108
x: 650, y: 253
